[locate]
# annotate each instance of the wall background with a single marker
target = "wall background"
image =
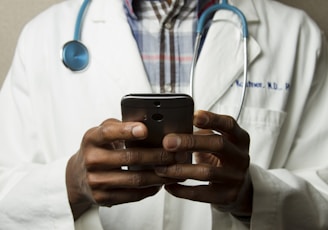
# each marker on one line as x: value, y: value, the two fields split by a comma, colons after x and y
x: 15, y: 13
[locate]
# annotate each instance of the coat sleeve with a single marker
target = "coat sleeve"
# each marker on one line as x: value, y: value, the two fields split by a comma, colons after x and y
x: 295, y: 195
x: 32, y: 186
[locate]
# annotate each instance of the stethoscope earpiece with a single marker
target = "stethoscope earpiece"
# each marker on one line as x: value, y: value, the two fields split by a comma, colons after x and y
x: 75, y: 55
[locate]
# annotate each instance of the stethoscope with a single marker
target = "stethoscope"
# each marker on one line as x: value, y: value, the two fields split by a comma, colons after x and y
x: 204, y: 23
x: 75, y: 54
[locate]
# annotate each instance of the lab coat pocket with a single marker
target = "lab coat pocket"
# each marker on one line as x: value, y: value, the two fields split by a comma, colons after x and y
x: 263, y: 126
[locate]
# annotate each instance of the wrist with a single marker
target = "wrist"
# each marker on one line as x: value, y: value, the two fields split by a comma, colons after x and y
x: 79, y: 209
x: 244, y: 204
x: 244, y: 207
x: 244, y: 219
x: 78, y: 200
x: 241, y: 209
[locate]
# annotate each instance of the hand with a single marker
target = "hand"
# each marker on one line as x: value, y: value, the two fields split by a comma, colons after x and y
x: 222, y: 160
x: 94, y: 174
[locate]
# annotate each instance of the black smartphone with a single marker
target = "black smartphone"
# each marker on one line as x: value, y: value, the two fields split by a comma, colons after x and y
x: 161, y: 113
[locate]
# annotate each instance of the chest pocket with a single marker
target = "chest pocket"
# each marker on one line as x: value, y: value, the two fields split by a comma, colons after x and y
x: 263, y: 126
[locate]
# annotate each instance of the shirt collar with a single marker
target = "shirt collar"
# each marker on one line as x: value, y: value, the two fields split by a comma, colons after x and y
x: 247, y: 7
x: 131, y: 7
x: 128, y: 5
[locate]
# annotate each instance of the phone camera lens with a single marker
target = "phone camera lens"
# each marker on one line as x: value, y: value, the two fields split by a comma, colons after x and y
x: 157, y: 104
x: 157, y: 117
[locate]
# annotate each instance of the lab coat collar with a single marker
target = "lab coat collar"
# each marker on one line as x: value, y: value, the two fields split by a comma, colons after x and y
x: 248, y: 9
x: 108, y: 17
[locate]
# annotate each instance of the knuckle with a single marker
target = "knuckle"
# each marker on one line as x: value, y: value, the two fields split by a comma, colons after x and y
x: 190, y: 141
x: 92, y: 183
x: 104, y: 131
x: 230, y: 123
x: 90, y: 160
x: 207, y: 173
x: 88, y: 136
x: 101, y: 198
x: 177, y: 170
x: 109, y: 131
x: 172, y: 171
x: 131, y: 157
x: 136, y: 180
x: 220, y: 142
x: 109, y: 121
x: 165, y: 157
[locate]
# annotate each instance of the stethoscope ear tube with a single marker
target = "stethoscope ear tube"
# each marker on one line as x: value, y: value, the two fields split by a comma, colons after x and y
x: 245, y: 73
x: 204, y: 18
x: 202, y: 22
x: 245, y: 79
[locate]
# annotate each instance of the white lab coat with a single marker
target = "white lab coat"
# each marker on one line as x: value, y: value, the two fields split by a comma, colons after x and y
x: 45, y: 109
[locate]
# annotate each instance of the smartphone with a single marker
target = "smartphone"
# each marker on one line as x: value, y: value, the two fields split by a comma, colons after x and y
x: 161, y: 113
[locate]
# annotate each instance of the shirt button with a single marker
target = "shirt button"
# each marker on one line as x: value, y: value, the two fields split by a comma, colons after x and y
x: 168, y: 88
x: 168, y: 25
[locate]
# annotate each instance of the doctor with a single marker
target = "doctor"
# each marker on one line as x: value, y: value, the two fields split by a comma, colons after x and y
x: 268, y: 170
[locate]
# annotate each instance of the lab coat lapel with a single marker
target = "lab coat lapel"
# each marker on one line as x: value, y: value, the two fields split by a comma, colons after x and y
x: 106, y: 17
x: 221, y: 60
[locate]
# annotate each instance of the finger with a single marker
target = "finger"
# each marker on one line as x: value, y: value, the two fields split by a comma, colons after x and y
x: 201, y: 172
x: 122, y: 196
x: 188, y: 142
x: 228, y: 152
x: 102, y: 159
x: 113, y: 130
x: 207, y: 158
x: 220, y: 123
x: 224, y: 195
x: 126, y: 179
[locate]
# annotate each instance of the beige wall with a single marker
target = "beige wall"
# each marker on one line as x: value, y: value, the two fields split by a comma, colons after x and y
x: 317, y: 9
x: 13, y: 16
x: 15, y: 13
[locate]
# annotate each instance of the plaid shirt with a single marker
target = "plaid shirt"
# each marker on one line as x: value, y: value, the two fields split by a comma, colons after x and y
x: 165, y: 36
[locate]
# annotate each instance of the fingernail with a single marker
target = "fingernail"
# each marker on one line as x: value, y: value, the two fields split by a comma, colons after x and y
x: 172, y: 142
x: 138, y: 131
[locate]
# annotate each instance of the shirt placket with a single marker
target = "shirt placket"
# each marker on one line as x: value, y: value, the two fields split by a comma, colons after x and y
x: 167, y: 50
